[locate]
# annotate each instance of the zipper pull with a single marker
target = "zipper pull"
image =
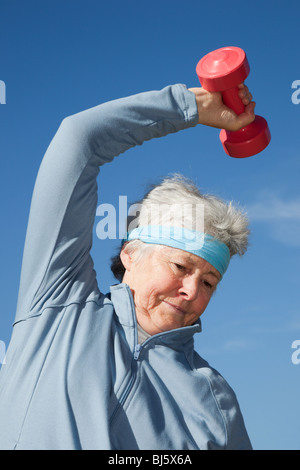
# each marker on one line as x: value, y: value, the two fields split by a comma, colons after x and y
x: 137, y: 351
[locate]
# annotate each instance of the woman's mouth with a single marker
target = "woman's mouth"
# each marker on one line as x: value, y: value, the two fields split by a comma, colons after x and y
x: 176, y: 308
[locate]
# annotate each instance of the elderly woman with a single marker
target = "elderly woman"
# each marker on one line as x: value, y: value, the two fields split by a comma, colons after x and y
x: 86, y: 370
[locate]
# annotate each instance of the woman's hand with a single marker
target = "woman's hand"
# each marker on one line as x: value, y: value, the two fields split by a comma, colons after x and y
x: 213, y: 112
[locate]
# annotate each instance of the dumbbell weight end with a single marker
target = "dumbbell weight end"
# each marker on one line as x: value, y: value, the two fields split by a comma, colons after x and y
x: 248, y: 141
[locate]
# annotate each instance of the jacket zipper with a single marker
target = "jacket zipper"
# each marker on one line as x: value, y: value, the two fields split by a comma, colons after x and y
x: 136, y: 353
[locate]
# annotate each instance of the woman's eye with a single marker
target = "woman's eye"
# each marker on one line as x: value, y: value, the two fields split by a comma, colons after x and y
x: 208, y: 284
x: 180, y: 267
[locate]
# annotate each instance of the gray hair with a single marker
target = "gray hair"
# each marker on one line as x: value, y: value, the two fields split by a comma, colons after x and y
x: 177, y: 201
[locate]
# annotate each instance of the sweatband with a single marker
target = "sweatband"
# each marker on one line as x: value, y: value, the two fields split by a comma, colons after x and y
x: 198, y: 243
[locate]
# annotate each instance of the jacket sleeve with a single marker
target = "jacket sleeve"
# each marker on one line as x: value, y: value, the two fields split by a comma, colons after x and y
x: 57, y: 266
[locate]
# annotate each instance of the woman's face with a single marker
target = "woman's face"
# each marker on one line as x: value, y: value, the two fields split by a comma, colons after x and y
x: 171, y: 288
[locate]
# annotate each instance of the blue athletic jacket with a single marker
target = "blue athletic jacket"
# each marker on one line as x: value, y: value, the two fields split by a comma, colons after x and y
x: 75, y: 376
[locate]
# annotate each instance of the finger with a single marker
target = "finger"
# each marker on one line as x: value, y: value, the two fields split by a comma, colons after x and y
x: 247, y: 100
x: 246, y: 118
x: 249, y: 109
x: 245, y: 95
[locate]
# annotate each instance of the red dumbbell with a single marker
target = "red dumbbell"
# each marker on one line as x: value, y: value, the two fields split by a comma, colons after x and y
x: 223, y: 70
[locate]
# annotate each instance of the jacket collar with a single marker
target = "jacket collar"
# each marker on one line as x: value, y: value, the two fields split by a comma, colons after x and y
x: 123, y: 302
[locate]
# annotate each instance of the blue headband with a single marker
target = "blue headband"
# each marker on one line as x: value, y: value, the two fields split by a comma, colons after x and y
x: 197, y: 243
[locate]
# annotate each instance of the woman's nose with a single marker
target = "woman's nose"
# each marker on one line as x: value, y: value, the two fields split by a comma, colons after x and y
x: 190, y: 288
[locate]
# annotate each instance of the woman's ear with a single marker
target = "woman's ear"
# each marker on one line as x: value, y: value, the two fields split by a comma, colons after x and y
x: 126, y: 259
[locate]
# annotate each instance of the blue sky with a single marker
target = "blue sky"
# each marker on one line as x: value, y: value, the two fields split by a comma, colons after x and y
x: 59, y: 57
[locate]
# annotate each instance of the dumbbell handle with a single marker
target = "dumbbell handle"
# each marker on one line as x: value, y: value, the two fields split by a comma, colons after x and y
x: 232, y: 100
